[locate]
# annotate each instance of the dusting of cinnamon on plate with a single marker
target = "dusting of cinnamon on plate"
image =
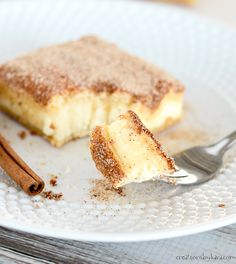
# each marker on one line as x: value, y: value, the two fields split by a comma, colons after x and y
x: 102, y: 190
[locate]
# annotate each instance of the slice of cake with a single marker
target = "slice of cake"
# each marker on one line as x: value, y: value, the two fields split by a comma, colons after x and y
x: 126, y: 151
x: 64, y: 91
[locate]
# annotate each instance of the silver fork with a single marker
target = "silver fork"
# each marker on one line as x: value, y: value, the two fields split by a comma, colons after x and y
x: 200, y: 164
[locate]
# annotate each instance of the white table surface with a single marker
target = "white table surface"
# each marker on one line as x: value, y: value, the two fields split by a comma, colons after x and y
x: 16, y: 247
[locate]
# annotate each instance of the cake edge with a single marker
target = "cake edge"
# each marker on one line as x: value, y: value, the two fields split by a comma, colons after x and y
x: 104, y: 158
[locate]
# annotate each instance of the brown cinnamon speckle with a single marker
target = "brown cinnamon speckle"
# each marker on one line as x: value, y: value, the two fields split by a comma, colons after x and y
x: 22, y: 134
x: 111, y: 141
x: 52, y: 126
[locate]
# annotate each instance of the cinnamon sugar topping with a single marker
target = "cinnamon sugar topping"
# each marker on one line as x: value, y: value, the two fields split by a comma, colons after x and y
x: 89, y: 63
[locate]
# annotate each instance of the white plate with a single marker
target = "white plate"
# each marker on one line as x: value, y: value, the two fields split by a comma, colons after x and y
x: 202, y: 55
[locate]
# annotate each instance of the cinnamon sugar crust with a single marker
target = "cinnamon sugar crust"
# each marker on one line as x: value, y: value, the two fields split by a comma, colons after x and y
x: 104, y: 158
x: 88, y: 63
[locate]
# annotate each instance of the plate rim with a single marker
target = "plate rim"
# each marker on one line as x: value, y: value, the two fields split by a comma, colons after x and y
x: 120, y: 237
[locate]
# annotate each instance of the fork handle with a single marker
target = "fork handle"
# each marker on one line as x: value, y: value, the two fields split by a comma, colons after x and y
x: 224, y: 144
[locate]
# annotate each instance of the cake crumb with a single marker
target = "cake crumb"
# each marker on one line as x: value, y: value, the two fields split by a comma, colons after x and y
x: 22, y: 134
x: 221, y: 205
x: 53, y: 180
x: 102, y: 190
x: 52, y: 196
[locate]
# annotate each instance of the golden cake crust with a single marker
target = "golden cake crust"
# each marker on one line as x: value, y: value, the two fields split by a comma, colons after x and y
x: 88, y: 63
x: 105, y: 159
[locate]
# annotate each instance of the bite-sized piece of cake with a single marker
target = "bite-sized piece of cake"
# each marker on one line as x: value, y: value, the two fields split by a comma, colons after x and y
x: 63, y: 91
x: 126, y: 151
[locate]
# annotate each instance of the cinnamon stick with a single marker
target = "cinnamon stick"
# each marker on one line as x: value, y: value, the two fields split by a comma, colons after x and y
x: 18, y: 170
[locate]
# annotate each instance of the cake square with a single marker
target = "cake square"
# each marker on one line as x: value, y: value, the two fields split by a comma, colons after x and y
x: 63, y: 91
